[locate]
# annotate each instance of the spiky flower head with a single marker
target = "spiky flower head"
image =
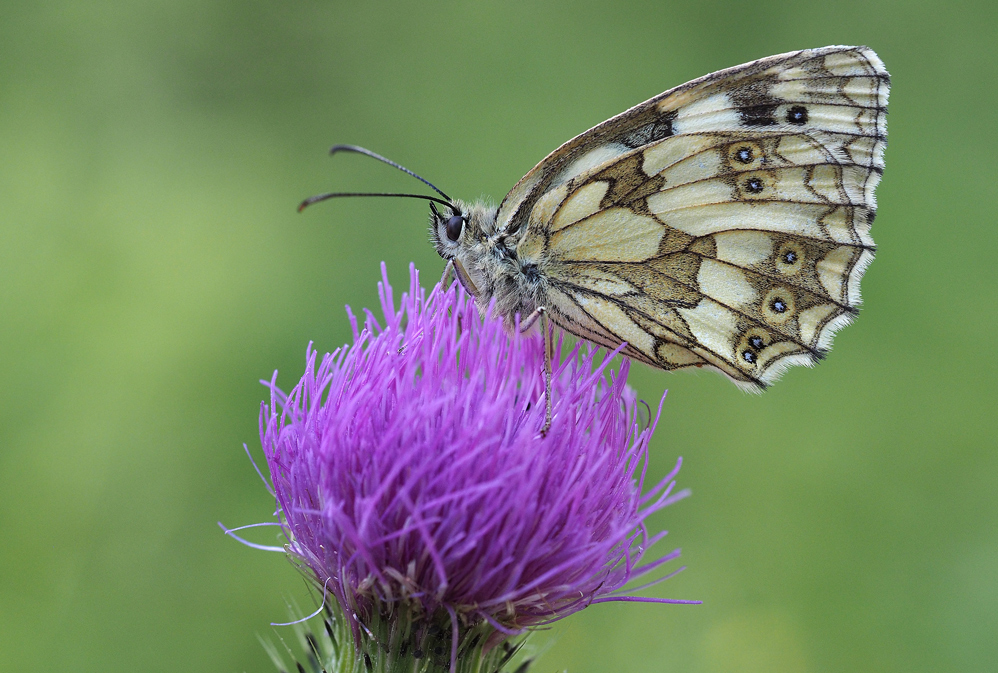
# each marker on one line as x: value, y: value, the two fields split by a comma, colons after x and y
x: 414, y: 486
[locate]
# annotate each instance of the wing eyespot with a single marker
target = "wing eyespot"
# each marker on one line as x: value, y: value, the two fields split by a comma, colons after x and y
x: 753, y: 186
x: 797, y: 115
x: 790, y: 258
x: 745, y: 156
x: 750, y: 347
x: 778, y: 306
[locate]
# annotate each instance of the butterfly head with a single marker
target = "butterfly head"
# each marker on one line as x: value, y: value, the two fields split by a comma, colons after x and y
x: 464, y: 234
x: 459, y: 227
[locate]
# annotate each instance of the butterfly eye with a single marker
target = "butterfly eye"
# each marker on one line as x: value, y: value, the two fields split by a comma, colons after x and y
x: 454, y: 227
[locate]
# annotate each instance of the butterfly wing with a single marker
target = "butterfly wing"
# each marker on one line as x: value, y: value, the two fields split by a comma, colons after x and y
x: 724, y: 223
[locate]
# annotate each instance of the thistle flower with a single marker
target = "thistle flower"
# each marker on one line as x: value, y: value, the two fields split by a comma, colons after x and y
x: 414, y: 487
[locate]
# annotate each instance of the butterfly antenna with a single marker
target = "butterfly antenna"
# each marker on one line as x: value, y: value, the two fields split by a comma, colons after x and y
x: 366, y: 152
x: 322, y: 197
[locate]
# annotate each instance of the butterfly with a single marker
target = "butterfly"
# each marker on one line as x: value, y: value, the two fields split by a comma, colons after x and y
x: 723, y: 224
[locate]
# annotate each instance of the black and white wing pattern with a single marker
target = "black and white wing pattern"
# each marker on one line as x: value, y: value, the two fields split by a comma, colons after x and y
x: 724, y: 223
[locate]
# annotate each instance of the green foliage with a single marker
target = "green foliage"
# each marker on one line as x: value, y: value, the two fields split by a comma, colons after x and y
x: 402, y: 642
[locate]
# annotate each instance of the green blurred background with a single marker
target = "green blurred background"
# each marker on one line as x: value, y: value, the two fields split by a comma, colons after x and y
x: 153, y: 268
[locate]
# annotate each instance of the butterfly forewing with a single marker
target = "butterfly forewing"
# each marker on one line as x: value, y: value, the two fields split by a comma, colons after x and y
x: 724, y: 223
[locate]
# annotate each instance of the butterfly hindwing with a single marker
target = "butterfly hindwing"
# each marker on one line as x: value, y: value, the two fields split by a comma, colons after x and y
x: 724, y: 223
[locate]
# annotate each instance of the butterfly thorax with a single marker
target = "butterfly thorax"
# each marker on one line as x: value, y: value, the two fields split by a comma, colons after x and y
x: 486, y: 261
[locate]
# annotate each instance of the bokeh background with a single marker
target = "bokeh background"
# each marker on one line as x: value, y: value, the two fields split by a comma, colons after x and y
x: 153, y: 269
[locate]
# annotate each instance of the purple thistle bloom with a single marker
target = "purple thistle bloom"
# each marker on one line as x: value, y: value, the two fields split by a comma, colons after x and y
x: 411, y: 477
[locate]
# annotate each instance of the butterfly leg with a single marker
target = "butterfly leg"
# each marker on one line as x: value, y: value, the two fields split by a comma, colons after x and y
x: 541, y: 312
x: 448, y: 277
